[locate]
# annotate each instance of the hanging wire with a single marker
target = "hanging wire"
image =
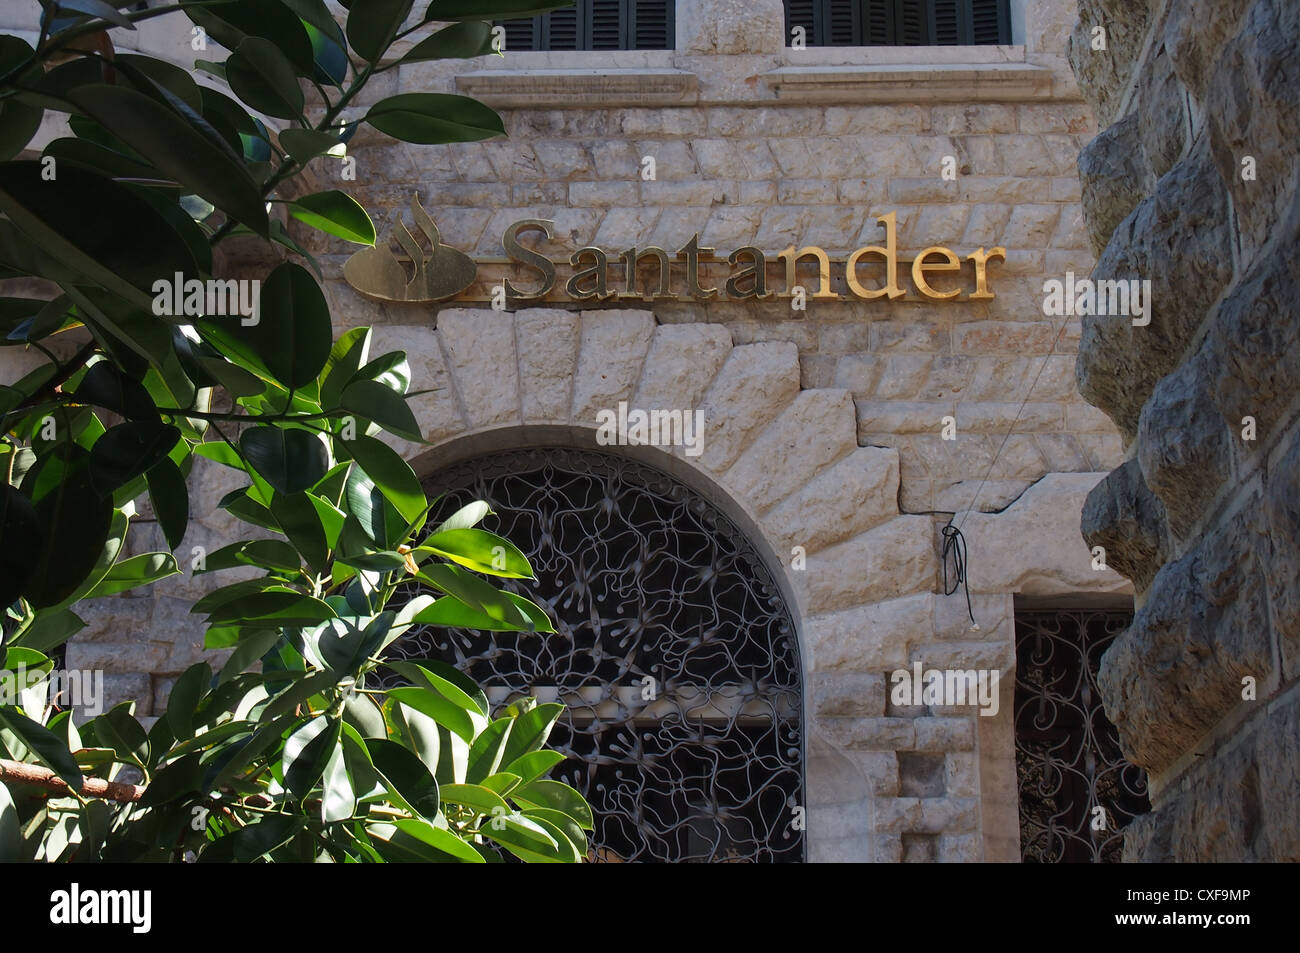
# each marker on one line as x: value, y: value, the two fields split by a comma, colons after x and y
x: 954, y: 543
x: 954, y: 549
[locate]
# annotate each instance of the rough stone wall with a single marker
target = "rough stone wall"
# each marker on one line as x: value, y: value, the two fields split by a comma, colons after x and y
x: 1193, y: 184
x: 823, y: 427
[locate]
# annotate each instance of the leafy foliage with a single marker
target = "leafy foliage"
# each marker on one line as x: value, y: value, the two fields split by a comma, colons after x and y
x: 287, y: 752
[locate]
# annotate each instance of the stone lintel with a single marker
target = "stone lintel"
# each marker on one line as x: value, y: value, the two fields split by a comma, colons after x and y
x: 890, y: 83
x: 581, y: 87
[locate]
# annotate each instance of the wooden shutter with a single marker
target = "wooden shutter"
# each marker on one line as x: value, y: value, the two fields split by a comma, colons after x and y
x: 947, y: 22
x: 521, y: 34
x: 801, y: 13
x: 652, y: 26
x: 841, y: 26
x: 910, y: 25
x: 561, y: 27
x: 877, y: 22
x: 606, y: 24
x: 990, y: 22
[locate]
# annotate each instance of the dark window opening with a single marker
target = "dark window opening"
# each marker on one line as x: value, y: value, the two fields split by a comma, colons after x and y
x: 596, y: 25
x: 899, y: 22
x: 1068, y: 759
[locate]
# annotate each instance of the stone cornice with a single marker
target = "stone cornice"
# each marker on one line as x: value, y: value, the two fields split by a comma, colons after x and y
x: 585, y: 87
x: 940, y: 82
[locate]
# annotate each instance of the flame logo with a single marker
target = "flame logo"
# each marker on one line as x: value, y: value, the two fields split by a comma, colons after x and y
x: 439, y: 274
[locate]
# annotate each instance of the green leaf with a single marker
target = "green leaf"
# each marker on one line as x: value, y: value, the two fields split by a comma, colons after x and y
x: 530, y: 732
x: 373, y: 25
x: 270, y: 554
x: 345, y: 647
x: 407, y: 777
x: 558, y: 796
x: 124, y: 247
x: 44, y: 744
x: 177, y: 148
x: 433, y: 703
x: 137, y: 571
x: 567, y: 832
x: 184, y: 699
x: 475, y: 593
x: 10, y: 827
x: 485, y: 753
x: 104, y: 385
x: 291, y: 340
x: 458, y: 41
x: 384, y: 406
x: 476, y: 796
x: 19, y: 122
x: 481, y: 551
x: 338, y: 799
x: 128, y: 450
x: 229, y: 23
x: 349, y: 352
x: 286, y: 608
x: 335, y: 213
x: 524, y: 838
x: 449, y: 611
x: 97, y: 8
x: 531, y: 766
x: 262, y: 76
x: 291, y: 460
x: 119, y: 730
x: 249, y: 649
x: 17, y: 522
x: 303, y: 145
x: 299, y: 519
x: 171, y: 500
x: 415, y: 840
x: 307, y: 752
x: 436, y: 672
x: 391, y: 474
x: 503, y: 782
x: 433, y: 118
x: 259, y: 839
x: 73, y: 522
x: 49, y: 630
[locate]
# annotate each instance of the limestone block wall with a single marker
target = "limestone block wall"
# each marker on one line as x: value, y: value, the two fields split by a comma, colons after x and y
x: 757, y: 143
x: 1193, y: 184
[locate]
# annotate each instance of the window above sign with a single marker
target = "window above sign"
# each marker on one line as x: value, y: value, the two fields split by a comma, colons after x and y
x: 898, y: 22
x: 596, y: 25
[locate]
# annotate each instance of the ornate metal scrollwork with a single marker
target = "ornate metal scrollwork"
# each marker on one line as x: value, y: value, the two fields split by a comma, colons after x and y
x: 1067, y: 754
x: 674, y: 652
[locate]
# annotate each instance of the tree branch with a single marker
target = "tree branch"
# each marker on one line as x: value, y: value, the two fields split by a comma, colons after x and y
x: 18, y: 773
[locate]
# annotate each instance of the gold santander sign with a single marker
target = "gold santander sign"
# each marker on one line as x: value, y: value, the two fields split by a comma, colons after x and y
x: 649, y: 273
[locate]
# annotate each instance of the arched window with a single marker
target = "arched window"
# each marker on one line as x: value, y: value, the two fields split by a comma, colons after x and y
x: 899, y: 22
x: 596, y: 25
x: 674, y: 652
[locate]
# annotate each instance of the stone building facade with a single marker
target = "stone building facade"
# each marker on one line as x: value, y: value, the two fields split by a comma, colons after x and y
x: 840, y: 438
x: 1193, y: 184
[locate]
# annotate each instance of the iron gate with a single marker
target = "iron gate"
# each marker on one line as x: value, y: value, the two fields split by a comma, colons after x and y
x: 674, y: 654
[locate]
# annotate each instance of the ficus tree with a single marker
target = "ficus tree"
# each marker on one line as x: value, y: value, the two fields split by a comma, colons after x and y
x: 288, y: 750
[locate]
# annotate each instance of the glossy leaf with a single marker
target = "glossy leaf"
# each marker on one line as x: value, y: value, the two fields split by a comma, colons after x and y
x: 434, y: 118
x: 261, y: 76
x: 44, y: 744
x: 335, y: 213
x: 291, y: 460
x: 391, y: 474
